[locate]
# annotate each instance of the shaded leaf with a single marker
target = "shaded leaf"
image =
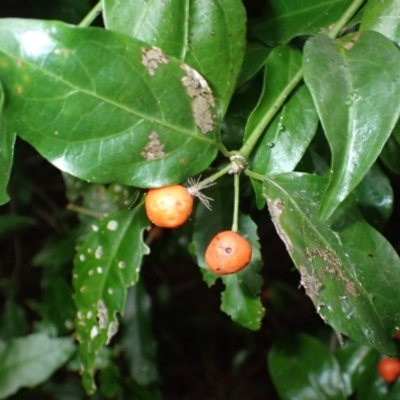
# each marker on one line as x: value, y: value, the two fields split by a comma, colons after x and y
x: 288, y: 135
x: 137, y: 339
x: 106, y: 264
x: 301, y: 368
x: 13, y: 322
x: 254, y: 59
x: 390, y: 155
x: 240, y: 299
x: 286, y: 19
x: 241, y: 106
x: 209, y: 35
x: 383, y: 17
x: 11, y: 223
x: 71, y: 11
x: 7, y: 140
x: 343, y: 78
x: 354, y: 359
x: 374, y: 195
x: 350, y: 272
x: 70, y: 95
x: 30, y: 360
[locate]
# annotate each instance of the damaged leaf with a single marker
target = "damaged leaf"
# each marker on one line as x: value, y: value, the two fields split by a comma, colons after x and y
x: 106, y: 264
x: 345, y: 264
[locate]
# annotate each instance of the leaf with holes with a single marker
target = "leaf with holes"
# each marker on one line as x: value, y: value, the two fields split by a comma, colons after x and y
x: 240, y: 299
x: 106, y: 264
x: 209, y: 35
x: 345, y: 264
x: 355, y: 84
x: 95, y: 103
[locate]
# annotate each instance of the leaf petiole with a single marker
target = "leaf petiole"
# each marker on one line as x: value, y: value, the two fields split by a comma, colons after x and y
x: 92, y: 15
x: 235, y: 223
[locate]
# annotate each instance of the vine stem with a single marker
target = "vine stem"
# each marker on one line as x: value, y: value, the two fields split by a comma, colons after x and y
x: 84, y: 211
x: 255, y: 135
x: 92, y: 15
x: 206, y: 182
x: 235, y: 223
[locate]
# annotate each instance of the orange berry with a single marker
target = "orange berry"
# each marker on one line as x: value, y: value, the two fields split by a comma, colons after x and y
x: 227, y: 253
x: 169, y: 206
x: 389, y: 369
x: 397, y: 336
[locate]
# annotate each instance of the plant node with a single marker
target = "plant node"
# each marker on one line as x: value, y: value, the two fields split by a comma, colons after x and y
x: 238, y: 164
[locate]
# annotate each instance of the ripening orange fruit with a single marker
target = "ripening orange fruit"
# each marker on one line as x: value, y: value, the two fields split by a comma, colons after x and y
x: 227, y: 253
x: 169, y: 206
x: 389, y: 369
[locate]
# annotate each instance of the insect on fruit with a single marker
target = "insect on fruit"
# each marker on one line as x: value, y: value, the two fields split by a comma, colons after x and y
x: 389, y: 369
x: 227, y: 253
x: 169, y: 206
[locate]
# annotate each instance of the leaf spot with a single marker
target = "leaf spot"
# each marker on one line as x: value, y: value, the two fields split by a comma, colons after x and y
x: 82, y: 257
x: 310, y: 283
x: 99, y: 252
x: 94, y: 332
x: 122, y: 264
x: 197, y: 88
x: 275, y: 209
x: 112, y: 225
x: 110, y: 291
x: 154, y: 148
x: 89, y: 314
x: 95, y: 228
x: 99, y: 270
x: 79, y: 314
x: 152, y: 57
x: 90, y: 272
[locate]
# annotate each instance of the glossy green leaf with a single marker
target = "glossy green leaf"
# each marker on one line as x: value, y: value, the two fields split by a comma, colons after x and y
x: 374, y: 196
x: 106, y: 264
x: 30, y: 360
x: 208, y: 35
x: 254, y: 59
x: 285, y: 19
x: 85, y: 100
x: 390, y: 155
x: 345, y: 264
x: 240, y: 299
x: 139, y: 345
x: 287, y: 137
x: 7, y: 140
x: 343, y: 78
x: 383, y: 17
x: 302, y: 368
x: 354, y: 359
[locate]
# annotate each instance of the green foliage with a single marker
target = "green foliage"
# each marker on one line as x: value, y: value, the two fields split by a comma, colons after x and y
x: 302, y: 102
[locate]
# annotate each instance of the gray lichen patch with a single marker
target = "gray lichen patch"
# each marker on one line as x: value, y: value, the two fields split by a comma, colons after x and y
x: 152, y: 57
x: 154, y: 148
x: 197, y: 88
x: 276, y: 208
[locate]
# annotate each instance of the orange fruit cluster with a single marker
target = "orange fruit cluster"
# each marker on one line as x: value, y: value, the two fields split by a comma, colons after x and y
x: 171, y: 206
